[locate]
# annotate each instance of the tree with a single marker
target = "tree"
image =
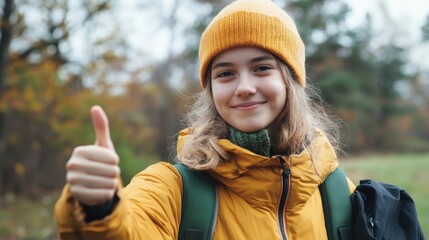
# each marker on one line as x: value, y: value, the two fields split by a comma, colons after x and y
x: 425, y: 30
x: 5, y: 39
x: 34, y: 99
x: 355, y: 77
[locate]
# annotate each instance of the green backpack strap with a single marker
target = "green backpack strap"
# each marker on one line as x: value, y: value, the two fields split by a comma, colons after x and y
x: 337, y: 206
x: 199, y: 204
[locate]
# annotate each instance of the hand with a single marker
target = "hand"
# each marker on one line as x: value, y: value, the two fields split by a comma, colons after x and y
x: 93, y: 171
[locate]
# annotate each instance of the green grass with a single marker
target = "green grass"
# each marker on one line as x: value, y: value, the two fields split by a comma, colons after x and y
x: 408, y: 171
x: 26, y: 219
x: 22, y: 218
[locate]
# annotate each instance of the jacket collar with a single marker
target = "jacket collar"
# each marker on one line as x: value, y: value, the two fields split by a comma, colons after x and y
x: 308, y: 170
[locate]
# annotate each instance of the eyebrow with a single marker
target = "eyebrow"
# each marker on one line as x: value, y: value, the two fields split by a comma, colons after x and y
x: 253, y: 60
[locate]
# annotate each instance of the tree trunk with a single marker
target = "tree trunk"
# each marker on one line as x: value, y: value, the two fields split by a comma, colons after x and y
x: 5, y: 39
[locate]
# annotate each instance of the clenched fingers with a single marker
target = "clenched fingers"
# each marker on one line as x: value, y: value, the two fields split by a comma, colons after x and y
x: 91, y: 181
x: 96, y: 153
x: 93, y: 168
x: 91, y: 196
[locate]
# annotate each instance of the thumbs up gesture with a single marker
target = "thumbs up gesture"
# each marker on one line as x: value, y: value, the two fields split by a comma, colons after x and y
x: 93, y: 171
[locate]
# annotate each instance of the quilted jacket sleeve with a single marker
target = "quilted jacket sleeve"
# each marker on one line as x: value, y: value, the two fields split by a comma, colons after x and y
x: 148, y: 208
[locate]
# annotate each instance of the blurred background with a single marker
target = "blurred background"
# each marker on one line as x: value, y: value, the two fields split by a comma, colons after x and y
x: 138, y: 60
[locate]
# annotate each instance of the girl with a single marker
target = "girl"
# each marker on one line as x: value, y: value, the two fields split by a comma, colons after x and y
x: 254, y: 129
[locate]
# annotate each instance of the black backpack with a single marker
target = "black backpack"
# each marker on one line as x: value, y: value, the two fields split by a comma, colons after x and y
x: 374, y: 211
x: 384, y: 211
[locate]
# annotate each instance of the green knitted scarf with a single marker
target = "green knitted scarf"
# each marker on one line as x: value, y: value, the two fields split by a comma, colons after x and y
x: 257, y: 142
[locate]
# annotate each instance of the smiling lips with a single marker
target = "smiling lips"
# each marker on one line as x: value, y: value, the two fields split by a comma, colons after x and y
x: 248, y: 105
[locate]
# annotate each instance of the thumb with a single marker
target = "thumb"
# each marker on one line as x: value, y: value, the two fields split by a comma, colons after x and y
x: 101, y: 127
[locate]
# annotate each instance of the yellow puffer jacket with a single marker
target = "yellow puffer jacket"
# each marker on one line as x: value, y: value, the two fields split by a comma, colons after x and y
x: 250, y: 190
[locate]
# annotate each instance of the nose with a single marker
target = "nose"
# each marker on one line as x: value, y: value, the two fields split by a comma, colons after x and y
x: 245, y: 87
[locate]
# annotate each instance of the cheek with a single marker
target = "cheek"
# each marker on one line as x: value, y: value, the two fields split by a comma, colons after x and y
x: 277, y: 93
x: 218, y: 95
x: 275, y: 89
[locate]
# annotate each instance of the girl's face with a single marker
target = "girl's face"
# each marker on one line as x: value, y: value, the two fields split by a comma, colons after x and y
x: 248, y: 88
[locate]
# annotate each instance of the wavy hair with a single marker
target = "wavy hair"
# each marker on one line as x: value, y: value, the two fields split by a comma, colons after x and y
x: 302, y: 114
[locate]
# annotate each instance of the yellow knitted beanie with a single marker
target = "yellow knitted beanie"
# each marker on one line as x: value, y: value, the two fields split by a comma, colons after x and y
x: 253, y: 23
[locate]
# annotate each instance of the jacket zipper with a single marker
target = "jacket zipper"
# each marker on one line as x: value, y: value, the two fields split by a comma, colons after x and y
x: 283, y: 199
x: 372, y: 223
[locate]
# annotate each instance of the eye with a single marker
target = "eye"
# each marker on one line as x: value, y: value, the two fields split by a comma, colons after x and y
x: 224, y: 74
x: 263, y: 68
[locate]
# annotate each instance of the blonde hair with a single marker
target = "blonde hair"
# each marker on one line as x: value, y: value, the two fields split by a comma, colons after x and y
x: 303, y: 113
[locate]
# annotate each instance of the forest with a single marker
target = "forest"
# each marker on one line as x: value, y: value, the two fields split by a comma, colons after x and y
x: 58, y: 58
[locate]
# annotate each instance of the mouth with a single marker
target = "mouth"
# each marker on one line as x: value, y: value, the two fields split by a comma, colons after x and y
x: 248, y: 105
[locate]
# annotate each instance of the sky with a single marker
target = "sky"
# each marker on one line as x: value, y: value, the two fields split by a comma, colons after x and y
x: 407, y: 15
x: 413, y: 12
